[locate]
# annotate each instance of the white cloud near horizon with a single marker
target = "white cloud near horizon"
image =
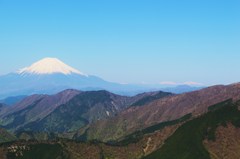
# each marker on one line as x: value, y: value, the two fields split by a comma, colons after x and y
x: 190, y: 83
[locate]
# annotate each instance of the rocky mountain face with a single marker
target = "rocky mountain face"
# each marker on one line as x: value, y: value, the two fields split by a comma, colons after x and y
x: 164, y: 109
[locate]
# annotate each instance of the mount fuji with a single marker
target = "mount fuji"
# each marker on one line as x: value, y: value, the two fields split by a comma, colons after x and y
x: 49, y: 66
x: 50, y: 75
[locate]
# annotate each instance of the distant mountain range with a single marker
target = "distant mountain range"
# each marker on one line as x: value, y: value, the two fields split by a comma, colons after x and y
x: 12, y: 100
x: 50, y: 75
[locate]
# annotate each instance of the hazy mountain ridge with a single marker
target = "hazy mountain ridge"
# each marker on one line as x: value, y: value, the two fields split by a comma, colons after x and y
x: 12, y: 100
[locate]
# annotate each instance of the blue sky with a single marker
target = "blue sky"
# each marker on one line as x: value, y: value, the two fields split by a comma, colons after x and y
x: 127, y: 41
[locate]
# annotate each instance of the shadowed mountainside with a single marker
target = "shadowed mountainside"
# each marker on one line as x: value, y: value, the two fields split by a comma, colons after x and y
x: 204, y: 132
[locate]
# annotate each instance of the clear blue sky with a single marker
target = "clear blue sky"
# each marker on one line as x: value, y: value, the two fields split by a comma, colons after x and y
x: 130, y: 41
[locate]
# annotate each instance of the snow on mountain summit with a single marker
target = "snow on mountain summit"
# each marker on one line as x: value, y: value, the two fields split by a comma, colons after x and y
x: 49, y: 66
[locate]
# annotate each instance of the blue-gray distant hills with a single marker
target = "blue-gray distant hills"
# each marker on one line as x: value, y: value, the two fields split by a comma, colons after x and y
x: 18, y: 84
x: 50, y: 75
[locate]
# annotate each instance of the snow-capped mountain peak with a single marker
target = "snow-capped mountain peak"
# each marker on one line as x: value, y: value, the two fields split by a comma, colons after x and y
x: 49, y: 66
